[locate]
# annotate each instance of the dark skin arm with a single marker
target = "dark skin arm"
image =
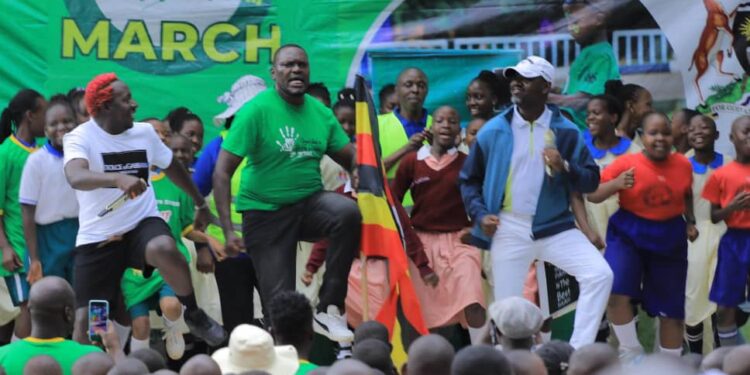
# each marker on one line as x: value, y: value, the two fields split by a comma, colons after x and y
x: 345, y: 157
x: 180, y: 176
x: 579, y: 211
x: 741, y: 201
x: 415, y: 142
x: 623, y: 181
x: 34, y: 272
x: 226, y: 164
x: 11, y: 261
x: 692, y: 231
x: 80, y: 177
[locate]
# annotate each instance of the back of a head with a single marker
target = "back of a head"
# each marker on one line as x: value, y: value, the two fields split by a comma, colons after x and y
x: 51, y: 293
x: 525, y: 362
x: 151, y: 358
x: 375, y: 354
x: 129, y: 366
x: 693, y: 360
x: 480, y: 360
x: 349, y: 367
x: 715, y: 359
x: 430, y: 355
x: 371, y: 329
x: 658, y: 364
x: 42, y: 364
x: 737, y: 361
x: 556, y: 356
x: 592, y: 358
x: 93, y: 364
x: 200, y: 365
x: 291, y: 318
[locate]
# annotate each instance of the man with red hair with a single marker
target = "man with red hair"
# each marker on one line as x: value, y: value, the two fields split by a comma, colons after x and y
x: 109, y: 157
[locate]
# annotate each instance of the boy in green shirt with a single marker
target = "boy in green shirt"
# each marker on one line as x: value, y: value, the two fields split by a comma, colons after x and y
x: 143, y: 294
x: 595, y: 64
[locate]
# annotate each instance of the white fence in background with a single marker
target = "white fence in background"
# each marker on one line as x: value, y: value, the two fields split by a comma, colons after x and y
x: 635, y: 49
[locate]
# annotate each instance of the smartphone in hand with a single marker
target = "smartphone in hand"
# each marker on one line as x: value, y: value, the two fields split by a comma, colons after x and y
x: 98, y: 316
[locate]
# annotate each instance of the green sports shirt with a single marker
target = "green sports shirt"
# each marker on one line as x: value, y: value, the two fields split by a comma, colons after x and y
x: 283, y: 144
x: 176, y: 208
x: 13, y: 155
x: 13, y: 357
x: 593, y: 67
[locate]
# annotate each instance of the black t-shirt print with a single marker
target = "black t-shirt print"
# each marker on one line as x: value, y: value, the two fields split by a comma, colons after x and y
x: 134, y: 163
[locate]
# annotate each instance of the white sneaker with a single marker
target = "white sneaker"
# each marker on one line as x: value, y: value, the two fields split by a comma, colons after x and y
x: 631, y: 357
x: 332, y: 324
x: 175, y: 343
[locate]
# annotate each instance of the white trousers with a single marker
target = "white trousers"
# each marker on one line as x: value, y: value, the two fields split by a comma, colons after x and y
x: 513, y: 249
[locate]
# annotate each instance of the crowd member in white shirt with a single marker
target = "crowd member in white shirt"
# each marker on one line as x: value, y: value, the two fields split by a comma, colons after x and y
x: 48, y: 203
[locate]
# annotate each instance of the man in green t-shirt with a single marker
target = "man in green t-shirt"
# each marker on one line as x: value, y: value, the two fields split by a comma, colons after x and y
x: 595, y: 64
x: 52, y: 307
x: 284, y: 133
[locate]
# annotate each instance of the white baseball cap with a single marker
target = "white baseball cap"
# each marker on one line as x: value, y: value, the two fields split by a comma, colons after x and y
x: 242, y: 91
x: 532, y: 67
x: 251, y: 348
x: 516, y: 318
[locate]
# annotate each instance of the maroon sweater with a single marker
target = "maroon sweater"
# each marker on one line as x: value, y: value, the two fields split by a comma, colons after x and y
x: 414, y: 248
x: 438, y: 206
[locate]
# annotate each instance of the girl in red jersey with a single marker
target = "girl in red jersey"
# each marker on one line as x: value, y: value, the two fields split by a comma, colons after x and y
x: 647, y: 238
x: 439, y: 218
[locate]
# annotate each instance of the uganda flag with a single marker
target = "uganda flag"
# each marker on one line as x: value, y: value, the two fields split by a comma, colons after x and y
x: 381, y: 229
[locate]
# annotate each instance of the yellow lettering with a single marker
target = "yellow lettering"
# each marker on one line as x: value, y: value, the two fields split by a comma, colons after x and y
x: 253, y: 43
x: 135, y: 39
x: 170, y: 44
x: 209, y: 42
x: 73, y: 38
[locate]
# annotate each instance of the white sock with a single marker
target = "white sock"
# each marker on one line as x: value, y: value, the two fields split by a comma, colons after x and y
x: 136, y: 345
x: 546, y: 336
x: 169, y: 323
x: 14, y: 338
x: 122, y: 332
x: 627, y: 336
x: 675, y: 352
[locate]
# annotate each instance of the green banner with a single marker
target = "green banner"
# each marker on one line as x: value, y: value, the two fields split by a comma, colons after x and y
x: 173, y: 52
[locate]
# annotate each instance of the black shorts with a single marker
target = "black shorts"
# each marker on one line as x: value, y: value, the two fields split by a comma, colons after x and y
x: 99, y: 266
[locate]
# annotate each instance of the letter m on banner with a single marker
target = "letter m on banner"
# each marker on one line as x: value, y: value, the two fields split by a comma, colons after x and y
x: 381, y: 229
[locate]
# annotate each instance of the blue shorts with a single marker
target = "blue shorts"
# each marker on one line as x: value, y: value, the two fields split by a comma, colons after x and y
x: 649, y: 262
x: 152, y: 303
x: 730, y: 279
x: 56, y: 242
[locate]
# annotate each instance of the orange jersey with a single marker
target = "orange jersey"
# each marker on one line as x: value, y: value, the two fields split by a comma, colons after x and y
x: 660, y: 187
x: 723, y: 185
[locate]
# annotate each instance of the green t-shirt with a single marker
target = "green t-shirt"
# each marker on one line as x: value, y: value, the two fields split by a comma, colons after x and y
x: 283, y: 144
x: 13, y: 357
x: 392, y: 136
x: 592, y: 68
x: 13, y: 155
x: 176, y: 208
x: 305, y: 367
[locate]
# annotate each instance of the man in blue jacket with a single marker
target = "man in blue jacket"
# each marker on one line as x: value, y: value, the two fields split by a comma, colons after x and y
x: 516, y: 185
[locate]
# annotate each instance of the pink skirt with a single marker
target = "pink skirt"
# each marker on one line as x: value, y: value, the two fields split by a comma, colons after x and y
x: 377, y: 290
x: 459, y: 267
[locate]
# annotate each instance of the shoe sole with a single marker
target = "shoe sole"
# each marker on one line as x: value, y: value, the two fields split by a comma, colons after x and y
x: 321, y: 328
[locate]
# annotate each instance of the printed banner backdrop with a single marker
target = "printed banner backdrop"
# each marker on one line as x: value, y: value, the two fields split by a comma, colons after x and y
x: 189, y: 52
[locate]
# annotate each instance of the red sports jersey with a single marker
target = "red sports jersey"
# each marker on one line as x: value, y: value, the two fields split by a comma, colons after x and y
x: 660, y: 187
x: 723, y: 185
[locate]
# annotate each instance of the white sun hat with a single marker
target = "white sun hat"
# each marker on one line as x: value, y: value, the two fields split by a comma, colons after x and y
x: 251, y: 348
x: 242, y: 91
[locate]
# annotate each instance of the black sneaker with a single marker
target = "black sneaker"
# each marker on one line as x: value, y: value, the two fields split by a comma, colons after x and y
x: 205, y: 328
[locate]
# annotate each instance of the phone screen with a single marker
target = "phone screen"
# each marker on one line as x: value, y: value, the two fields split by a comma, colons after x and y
x: 98, y: 315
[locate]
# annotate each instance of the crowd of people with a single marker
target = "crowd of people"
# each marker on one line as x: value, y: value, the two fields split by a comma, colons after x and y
x: 198, y: 252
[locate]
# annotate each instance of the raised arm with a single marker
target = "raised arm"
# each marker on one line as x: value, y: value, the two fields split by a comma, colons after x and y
x: 180, y: 176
